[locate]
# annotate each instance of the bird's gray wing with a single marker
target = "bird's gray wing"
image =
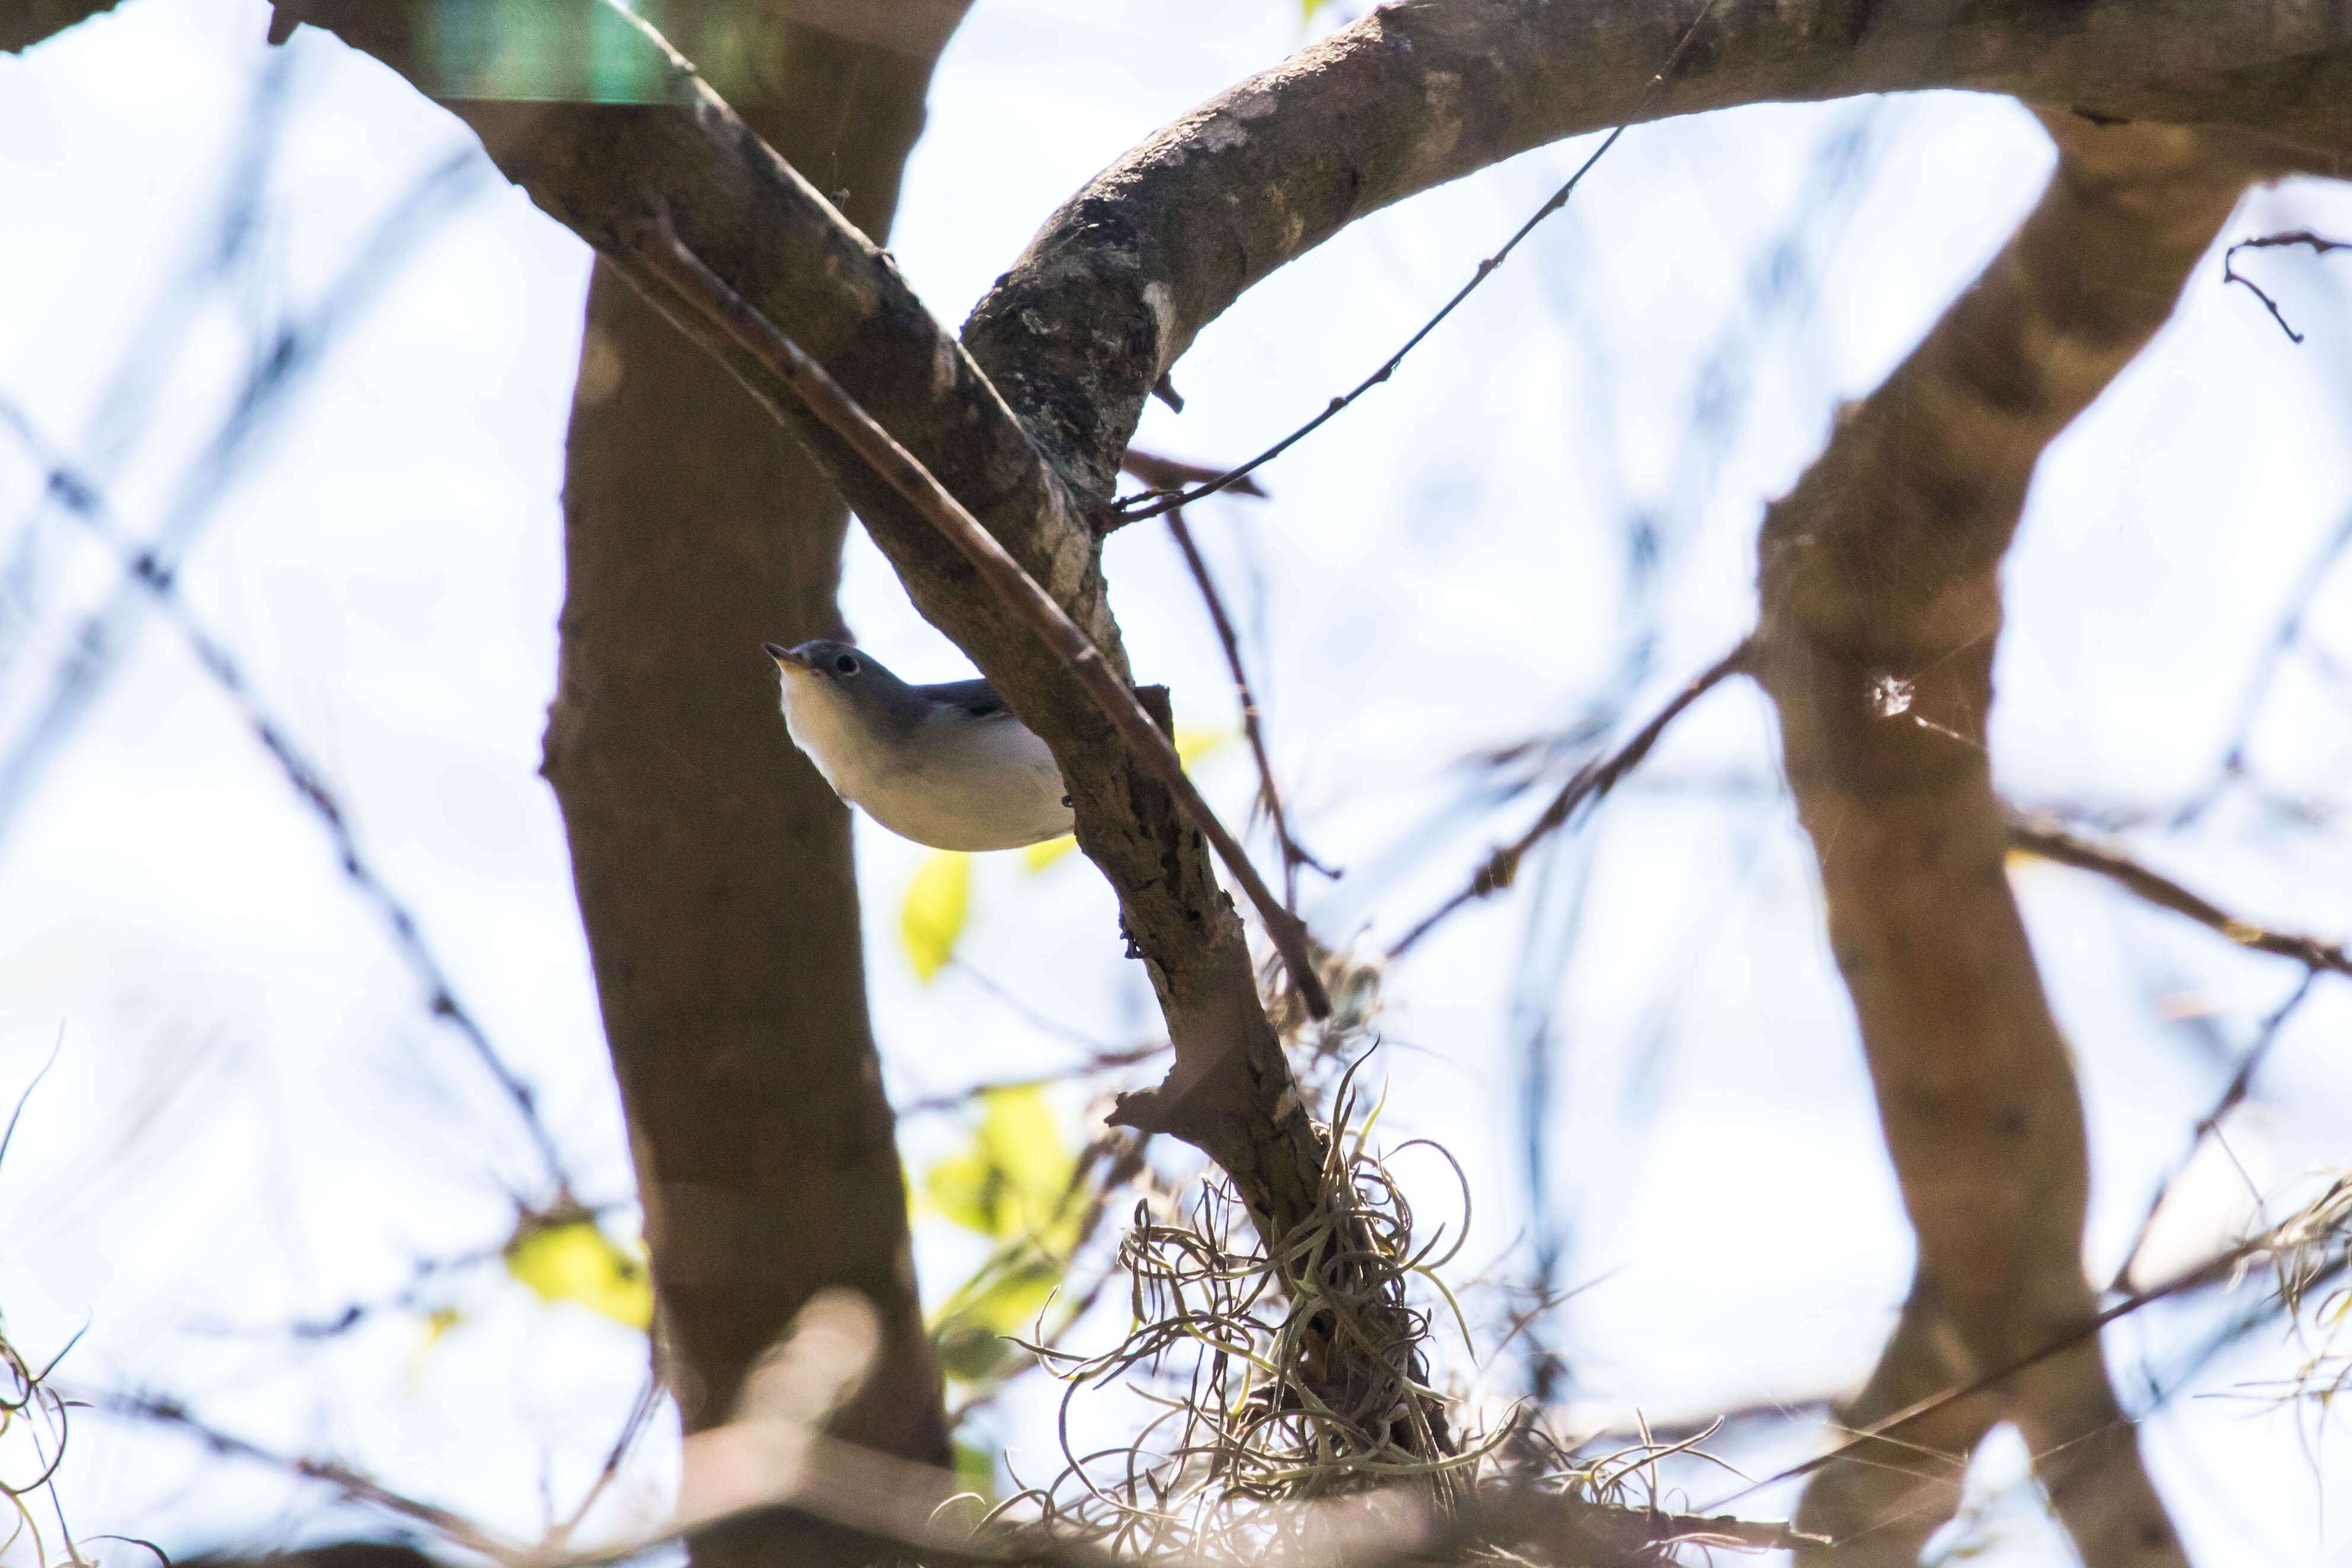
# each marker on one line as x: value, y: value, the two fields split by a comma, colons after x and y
x: 976, y: 698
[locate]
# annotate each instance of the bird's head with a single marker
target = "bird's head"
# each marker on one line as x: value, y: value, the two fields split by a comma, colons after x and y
x: 828, y: 663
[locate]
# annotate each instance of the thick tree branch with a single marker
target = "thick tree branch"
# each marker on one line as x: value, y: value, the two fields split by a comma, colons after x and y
x: 1114, y: 289
x: 1881, y: 604
x: 712, y: 864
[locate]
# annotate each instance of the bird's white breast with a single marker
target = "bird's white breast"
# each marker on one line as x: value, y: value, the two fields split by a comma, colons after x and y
x: 951, y: 780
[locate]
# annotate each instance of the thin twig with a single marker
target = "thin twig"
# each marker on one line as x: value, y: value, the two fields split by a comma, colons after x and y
x: 352, y: 1484
x: 1293, y: 856
x: 86, y: 502
x: 423, y: 1272
x: 282, y: 362
x: 2037, y: 837
x: 1106, y: 1061
x: 1590, y: 783
x: 2241, y: 1083
x: 708, y: 294
x: 2284, y: 637
x: 2320, y: 246
x: 1036, y: 1017
x: 641, y: 1411
x: 1153, y: 502
x: 1165, y: 474
x: 2221, y: 1266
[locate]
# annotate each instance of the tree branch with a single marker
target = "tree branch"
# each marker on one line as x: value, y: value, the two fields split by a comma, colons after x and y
x: 713, y: 865
x: 2037, y: 836
x: 1881, y: 600
x: 1589, y: 784
x: 1117, y: 285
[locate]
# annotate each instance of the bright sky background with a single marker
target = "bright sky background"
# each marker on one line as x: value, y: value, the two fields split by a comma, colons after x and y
x: 252, y: 1122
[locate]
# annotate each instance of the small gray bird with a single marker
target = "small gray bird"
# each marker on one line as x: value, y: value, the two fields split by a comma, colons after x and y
x: 945, y: 766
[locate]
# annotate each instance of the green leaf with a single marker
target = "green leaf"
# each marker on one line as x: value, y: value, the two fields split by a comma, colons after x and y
x: 574, y: 1260
x: 1004, y: 1298
x: 933, y: 917
x: 1010, y: 1180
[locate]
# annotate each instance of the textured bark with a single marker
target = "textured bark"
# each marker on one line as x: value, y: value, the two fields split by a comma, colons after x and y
x: 712, y: 863
x: 1881, y: 605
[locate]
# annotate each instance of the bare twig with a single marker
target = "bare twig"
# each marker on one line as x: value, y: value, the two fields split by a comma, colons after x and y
x: 423, y: 1272
x: 709, y: 295
x: 83, y: 499
x: 1106, y: 1061
x: 1165, y: 474
x: 641, y: 1411
x: 296, y: 349
x: 1154, y: 503
x: 2283, y: 639
x: 1293, y: 856
x: 2230, y: 274
x: 2036, y: 836
x: 352, y: 1483
x: 2285, y: 1235
x: 2232, y: 1096
x: 1591, y: 782
x: 1037, y: 1017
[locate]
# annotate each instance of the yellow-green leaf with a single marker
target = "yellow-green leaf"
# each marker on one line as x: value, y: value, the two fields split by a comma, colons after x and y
x: 1009, y: 1180
x: 933, y: 917
x: 574, y: 1260
x: 1037, y: 856
x: 1003, y: 1298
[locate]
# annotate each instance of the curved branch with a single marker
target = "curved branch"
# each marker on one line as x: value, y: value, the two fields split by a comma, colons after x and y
x: 1116, y: 286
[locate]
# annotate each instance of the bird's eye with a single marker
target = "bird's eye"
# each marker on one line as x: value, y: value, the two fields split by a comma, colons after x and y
x: 846, y: 663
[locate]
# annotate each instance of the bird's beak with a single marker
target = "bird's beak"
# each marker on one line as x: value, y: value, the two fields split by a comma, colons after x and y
x: 784, y: 657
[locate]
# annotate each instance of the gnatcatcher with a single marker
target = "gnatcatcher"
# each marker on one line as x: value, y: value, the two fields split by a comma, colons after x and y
x: 945, y: 766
